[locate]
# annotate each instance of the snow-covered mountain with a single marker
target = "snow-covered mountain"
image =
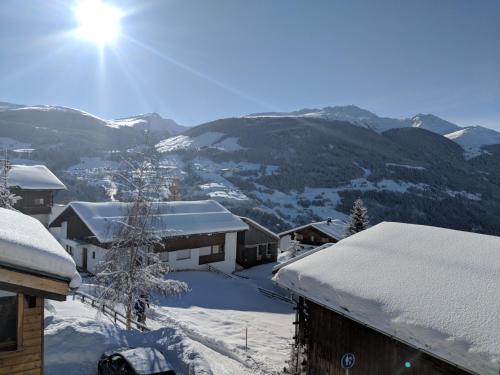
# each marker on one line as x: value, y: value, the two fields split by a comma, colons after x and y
x: 471, y: 141
x: 434, y: 124
x: 348, y: 113
x: 149, y: 121
x: 473, y: 138
x: 290, y: 169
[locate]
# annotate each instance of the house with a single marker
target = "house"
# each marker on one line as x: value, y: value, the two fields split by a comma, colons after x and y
x: 33, y: 267
x: 399, y: 299
x: 256, y: 246
x: 35, y: 185
x: 196, y: 234
x: 313, y: 234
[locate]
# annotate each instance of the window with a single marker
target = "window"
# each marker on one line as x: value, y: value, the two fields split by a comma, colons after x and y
x: 216, y: 249
x: 312, y: 239
x: 183, y: 254
x: 30, y: 302
x: 39, y: 201
x: 269, y: 250
x: 93, y: 254
x: 8, y: 314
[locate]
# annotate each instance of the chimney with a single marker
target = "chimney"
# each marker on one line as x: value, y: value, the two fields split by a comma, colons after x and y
x: 329, y: 221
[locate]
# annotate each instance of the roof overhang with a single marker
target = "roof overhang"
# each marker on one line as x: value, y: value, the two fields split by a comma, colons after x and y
x: 347, y: 316
x: 21, y: 281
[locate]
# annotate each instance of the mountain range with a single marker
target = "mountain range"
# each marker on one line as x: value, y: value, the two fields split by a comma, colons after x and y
x: 285, y: 169
x: 471, y: 138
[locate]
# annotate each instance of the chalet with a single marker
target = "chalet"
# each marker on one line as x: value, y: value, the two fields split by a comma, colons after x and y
x: 313, y: 234
x: 256, y: 246
x: 197, y: 234
x: 33, y: 267
x: 398, y: 299
x: 35, y: 185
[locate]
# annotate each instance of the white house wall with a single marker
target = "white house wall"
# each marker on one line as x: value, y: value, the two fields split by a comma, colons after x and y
x: 192, y: 263
x: 227, y: 266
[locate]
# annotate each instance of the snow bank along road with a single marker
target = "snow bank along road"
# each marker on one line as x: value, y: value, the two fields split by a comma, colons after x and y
x: 202, y: 331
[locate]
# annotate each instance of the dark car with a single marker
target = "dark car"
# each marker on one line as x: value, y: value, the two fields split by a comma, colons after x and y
x: 134, y: 361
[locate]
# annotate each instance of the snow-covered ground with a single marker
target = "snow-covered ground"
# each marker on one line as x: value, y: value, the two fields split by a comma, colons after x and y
x: 201, y: 332
x: 218, y: 311
x: 76, y: 335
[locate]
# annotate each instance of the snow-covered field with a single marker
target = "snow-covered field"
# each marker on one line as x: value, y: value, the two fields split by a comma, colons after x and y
x: 202, y: 331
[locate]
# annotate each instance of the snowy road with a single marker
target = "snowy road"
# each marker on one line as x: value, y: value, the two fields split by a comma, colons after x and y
x: 217, y: 312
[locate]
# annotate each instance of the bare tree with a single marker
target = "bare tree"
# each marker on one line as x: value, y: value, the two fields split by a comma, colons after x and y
x: 7, y: 198
x: 132, y: 267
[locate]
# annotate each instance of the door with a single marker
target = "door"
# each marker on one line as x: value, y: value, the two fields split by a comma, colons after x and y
x: 84, y: 258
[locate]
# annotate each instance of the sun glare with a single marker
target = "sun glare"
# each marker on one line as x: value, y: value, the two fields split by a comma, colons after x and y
x: 98, y: 22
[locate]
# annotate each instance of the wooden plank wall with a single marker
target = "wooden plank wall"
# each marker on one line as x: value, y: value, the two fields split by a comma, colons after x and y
x: 28, y: 360
x: 330, y: 335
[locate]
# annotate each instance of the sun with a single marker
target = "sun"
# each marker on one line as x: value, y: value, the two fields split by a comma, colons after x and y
x: 98, y: 22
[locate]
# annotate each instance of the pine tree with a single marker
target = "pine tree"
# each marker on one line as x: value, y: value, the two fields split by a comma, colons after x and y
x: 7, y: 199
x: 132, y: 267
x: 359, y: 218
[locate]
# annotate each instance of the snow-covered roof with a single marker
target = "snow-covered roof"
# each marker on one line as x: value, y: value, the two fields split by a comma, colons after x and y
x: 261, y: 227
x: 303, y: 254
x: 436, y: 289
x: 334, y: 229
x: 170, y: 218
x: 26, y: 245
x: 33, y: 177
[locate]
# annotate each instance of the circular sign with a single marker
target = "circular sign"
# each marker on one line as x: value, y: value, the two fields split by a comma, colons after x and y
x: 347, y: 360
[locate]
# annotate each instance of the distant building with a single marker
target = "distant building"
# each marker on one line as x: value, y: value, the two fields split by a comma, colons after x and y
x: 398, y: 299
x: 256, y: 246
x: 197, y: 234
x: 313, y: 234
x: 33, y: 267
x: 35, y: 185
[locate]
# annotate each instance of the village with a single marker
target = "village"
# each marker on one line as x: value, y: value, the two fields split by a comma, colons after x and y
x: 187, y: 287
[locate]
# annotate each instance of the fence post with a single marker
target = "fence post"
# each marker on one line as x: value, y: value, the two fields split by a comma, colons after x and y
x: 246, y: 339
x: 115, y: 317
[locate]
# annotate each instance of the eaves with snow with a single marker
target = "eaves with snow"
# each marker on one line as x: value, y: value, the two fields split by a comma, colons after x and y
x: 33, y: 177
x: 169, y: 219
x: 27, y: 246
x: 435, y: 289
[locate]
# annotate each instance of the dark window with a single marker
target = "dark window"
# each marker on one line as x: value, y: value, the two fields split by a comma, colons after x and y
x: 8, y: 314
x: 262, y: 250
x: 93, y: 254
x: 39, y: 201
x: 31, y: 301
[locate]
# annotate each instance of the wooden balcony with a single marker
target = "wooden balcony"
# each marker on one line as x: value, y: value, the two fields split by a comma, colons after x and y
x: 211, y: 258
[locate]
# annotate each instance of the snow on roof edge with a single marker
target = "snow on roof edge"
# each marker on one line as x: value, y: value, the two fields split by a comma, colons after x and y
x: 335, y: 222
x: 101, y: 239
x: 455, y: 332
x: 261, y: 227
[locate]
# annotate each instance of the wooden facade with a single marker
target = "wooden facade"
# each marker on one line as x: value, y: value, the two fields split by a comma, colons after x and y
x: 256, y: 246
x: 33, y: 202
x: 22, y: 296
x: 312, y: 236
x: 27, y: 357
x: 323, y: 336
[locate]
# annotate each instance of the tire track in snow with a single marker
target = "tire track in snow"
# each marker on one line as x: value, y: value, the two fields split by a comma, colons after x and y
x: 213, y: 344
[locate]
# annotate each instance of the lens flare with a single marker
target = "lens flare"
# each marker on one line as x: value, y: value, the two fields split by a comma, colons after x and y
x: 98, y: 22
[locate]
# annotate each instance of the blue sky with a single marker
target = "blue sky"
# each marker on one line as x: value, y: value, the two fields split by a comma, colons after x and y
x: 196, y: 61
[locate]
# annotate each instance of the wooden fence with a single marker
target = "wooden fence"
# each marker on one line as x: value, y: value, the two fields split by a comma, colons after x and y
x: 109, y: 311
